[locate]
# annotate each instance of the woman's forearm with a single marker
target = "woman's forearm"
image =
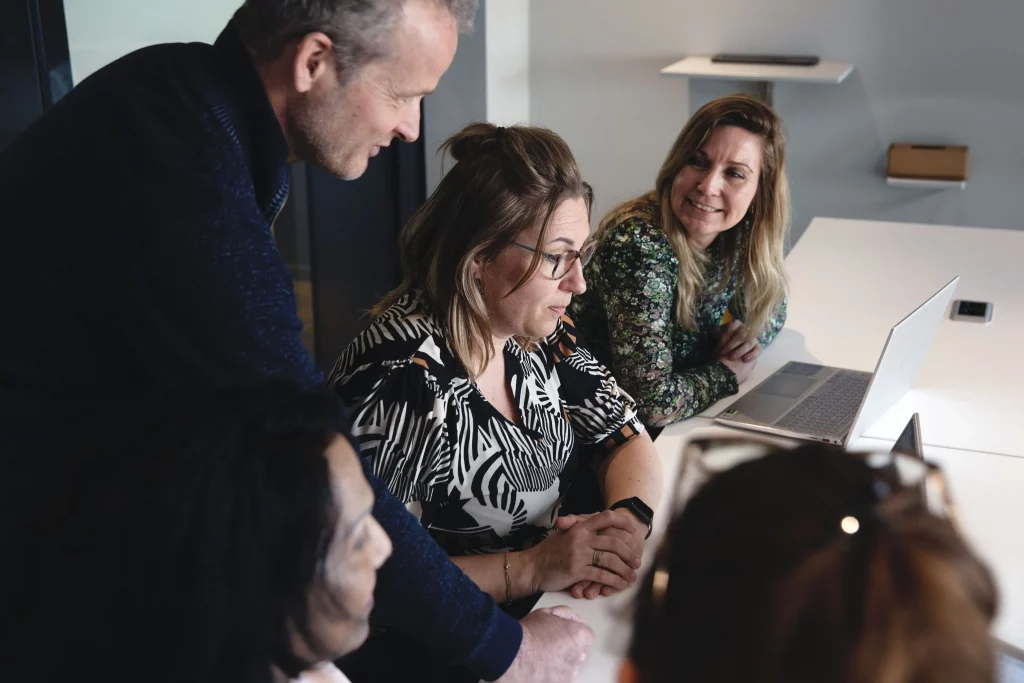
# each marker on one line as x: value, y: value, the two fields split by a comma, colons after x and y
x: 675, y: 396
x: 488, y: 573
x: 632, y: 469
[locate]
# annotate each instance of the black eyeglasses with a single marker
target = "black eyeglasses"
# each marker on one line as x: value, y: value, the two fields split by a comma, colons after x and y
x: 897, y: 475
x: 561, y: 264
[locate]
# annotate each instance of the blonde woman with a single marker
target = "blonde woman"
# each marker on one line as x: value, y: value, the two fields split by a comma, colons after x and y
x: 687, y: 284
x: 474, y: 397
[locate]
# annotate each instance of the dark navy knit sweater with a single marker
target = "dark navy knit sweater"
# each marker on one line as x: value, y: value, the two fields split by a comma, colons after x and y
x: 137, y: 254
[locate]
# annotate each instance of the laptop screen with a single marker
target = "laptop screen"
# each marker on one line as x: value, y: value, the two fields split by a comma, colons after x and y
x: 1009, y: 663
x: 909, y: 441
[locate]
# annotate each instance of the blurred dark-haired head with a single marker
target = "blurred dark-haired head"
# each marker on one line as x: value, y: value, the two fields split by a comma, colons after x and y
x: 211, y: 537
x: 764, y: 585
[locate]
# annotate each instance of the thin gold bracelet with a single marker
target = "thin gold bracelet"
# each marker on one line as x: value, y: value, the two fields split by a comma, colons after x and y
x: 508, y: 583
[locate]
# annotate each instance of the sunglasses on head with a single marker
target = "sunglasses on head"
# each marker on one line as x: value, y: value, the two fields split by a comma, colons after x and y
x: 898, y: 479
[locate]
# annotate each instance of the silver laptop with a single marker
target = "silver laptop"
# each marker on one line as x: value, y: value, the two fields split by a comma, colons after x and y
x: 909, y: 441
x: 836, y: 405
x: 1009, y: 663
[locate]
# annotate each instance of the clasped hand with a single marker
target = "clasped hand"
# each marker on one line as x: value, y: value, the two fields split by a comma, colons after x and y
x: 737, y: 348
x: 617, y: 535
x: 567, y: 556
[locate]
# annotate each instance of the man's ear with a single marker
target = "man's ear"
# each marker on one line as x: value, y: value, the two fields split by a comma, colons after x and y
x: 628, y: 672
x: 314, y: 59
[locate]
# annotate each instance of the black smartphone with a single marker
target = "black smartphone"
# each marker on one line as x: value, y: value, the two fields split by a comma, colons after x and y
x: 972, y: 311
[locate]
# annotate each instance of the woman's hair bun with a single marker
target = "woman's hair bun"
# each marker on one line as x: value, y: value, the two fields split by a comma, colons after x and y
x: 476, y: 138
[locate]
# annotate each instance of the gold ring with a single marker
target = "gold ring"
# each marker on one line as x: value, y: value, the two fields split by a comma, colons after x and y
x: 597, y: 558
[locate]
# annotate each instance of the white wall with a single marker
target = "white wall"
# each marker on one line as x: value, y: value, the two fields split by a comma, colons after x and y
x: 927, y: 71
x: 100, y: 31
x: 489, y: 79
x: 508, y: 61
x: 460, y: 97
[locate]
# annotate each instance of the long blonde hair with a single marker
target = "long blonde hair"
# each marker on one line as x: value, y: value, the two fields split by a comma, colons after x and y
x: 763, y: 277
x: 504, y: 181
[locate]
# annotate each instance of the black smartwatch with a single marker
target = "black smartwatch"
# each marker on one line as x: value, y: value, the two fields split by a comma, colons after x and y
x: 639, y: 509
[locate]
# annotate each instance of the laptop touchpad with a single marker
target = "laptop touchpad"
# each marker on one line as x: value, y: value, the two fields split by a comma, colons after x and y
x: 786, y: 385
x: 773, y: 398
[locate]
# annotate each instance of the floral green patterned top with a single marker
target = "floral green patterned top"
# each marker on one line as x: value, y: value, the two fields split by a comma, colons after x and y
x: 628, y: 317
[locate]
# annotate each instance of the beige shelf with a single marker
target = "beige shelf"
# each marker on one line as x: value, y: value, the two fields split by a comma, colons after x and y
x: 925, y: 184
x: 702, y: 67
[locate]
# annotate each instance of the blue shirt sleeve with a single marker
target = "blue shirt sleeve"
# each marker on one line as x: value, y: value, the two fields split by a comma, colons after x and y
x: 467, y: 628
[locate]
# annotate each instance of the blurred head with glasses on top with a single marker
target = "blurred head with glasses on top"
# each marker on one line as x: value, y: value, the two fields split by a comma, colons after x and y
x: 812, y: 565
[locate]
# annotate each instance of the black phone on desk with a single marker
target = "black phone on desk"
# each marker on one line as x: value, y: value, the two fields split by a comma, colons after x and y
x: 972, y: 311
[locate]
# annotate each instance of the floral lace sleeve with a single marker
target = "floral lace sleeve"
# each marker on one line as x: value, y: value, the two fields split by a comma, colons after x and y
x: 775, y: 324
x: 638, y: 272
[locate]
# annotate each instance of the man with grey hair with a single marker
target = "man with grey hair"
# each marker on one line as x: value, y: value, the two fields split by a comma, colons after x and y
x: 385, y: 55
x: 138, y: 215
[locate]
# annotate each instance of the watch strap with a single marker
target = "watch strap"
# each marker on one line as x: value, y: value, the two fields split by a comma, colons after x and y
x: 640, y: 510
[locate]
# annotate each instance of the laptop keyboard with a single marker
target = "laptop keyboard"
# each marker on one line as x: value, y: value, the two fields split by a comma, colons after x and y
x: 830, y: 409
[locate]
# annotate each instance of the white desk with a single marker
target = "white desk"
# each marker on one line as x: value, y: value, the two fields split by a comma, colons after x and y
x: 851, y: 281
x: 985, y: 489
x: 987, y: 493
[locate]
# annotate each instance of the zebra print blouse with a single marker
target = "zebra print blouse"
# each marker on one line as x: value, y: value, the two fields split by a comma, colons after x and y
x: 483, y: 483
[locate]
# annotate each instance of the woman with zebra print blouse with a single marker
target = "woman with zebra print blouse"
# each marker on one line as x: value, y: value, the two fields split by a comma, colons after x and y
x: 472, y: 393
